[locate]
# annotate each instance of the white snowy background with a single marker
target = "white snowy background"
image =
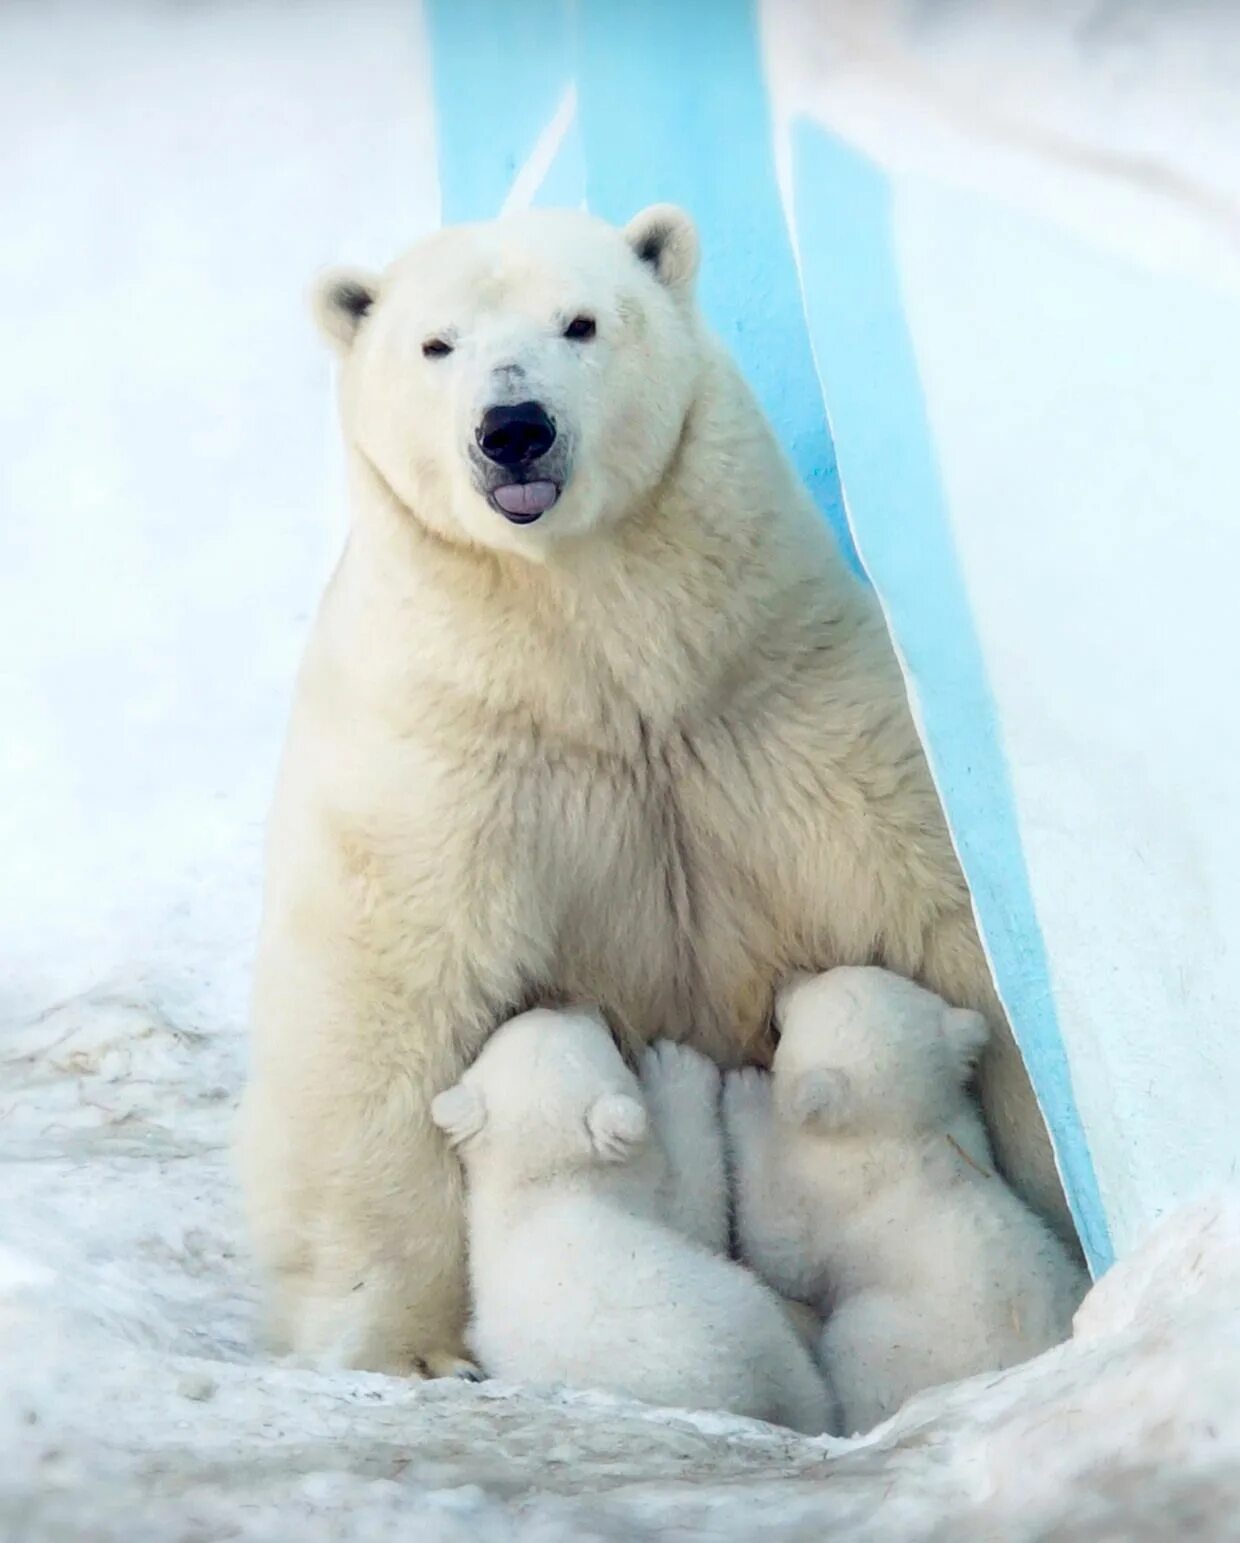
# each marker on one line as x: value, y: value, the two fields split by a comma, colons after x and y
x: 170, y: 503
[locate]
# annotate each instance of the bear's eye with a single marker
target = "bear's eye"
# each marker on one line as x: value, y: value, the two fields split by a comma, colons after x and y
x: 436, y: 348
x: 580, y: 328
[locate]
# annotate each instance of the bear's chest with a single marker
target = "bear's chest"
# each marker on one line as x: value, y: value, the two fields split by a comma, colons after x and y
x: 658, y: 859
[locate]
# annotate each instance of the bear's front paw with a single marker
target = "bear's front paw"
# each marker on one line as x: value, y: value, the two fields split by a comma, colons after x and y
x: 679, y: 1074
x: 746, y: 1099
x: 446, y: 1364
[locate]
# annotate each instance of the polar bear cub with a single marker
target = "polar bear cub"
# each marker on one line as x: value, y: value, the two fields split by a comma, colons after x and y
x: 591, y: 1234
x: 865, y: 1185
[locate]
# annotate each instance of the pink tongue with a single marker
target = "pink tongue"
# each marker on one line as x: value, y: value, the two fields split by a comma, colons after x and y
x: 526, y: 497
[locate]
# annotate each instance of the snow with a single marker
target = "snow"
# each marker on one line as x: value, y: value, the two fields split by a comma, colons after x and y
x: 136, y: 1404
x: 171, y: 501
x: 171, y: 487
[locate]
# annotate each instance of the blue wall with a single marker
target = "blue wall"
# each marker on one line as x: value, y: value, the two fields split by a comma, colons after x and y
x: 874, y: 394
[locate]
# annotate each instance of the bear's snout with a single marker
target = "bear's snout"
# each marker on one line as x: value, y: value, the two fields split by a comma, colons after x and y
x: 514, y: 435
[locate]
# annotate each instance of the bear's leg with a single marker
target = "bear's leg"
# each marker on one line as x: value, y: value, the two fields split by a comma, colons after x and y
x: 771, y: 1231
x: 363, y: 1237
x: 877, y: 1352
x: 800, y: 1397
x: 355, y: 1199
x: 366, y: 1251
x: 955, y: 966
x: 681, y: 1088
x: 805, y: 1322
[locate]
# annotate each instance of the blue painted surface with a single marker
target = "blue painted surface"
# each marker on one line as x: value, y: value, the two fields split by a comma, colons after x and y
x: 500, y: 70
x: 898, y: 513
x: 564, y: 186
x: 672, y: 106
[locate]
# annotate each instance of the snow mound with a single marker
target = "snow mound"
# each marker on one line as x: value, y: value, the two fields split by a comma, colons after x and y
x: 135, y: 1403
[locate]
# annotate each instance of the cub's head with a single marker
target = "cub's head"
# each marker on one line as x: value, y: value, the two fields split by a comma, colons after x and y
x: 524, y: 381
x: 549, y: 1093
x: 863, y: 1051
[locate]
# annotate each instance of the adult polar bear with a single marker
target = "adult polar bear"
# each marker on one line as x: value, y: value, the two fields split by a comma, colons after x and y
x: 592, y: 710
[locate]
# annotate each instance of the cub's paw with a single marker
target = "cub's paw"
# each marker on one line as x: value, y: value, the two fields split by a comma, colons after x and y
x: 677, y: 1074
x: 746, y: 1101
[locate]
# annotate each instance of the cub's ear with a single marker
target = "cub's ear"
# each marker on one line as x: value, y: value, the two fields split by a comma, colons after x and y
x: 966, y: 1032
x: 617, y: 1126
x: 664, y: 237
x: 459, y: 1112
x: 821, y: 1100
x: 341, y: 300
x: 789, y: 989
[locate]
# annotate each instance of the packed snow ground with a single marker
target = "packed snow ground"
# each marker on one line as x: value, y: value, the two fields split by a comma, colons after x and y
x: 135, y: 1402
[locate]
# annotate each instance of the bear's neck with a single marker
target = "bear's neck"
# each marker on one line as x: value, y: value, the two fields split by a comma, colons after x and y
x: 500, y: 1193
x: 656, y: 620
x: 850, y: 1173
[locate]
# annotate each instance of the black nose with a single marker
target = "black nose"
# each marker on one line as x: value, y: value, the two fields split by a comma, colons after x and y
x: 516, y: 435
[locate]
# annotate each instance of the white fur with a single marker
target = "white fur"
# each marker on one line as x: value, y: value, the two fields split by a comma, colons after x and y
x: 579, y: 1268
x: 653, y: 752
x: 865, y: 1185
x: 682, y: 1090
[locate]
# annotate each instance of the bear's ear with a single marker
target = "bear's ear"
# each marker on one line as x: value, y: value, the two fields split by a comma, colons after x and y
x: 459, y: 1112
x: 664, y: 237
x: 616, y: 1125
x: 341, y: 300
x: 821, y: 1099
x: 966, y: 1032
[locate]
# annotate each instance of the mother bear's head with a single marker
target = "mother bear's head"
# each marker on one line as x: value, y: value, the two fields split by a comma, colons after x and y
x: 521, y: 382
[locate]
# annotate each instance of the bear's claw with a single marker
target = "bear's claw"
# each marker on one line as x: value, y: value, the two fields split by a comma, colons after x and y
x: 439, y: 1364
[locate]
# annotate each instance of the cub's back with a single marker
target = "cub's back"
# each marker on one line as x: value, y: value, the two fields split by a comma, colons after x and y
x: 583, y: 1293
